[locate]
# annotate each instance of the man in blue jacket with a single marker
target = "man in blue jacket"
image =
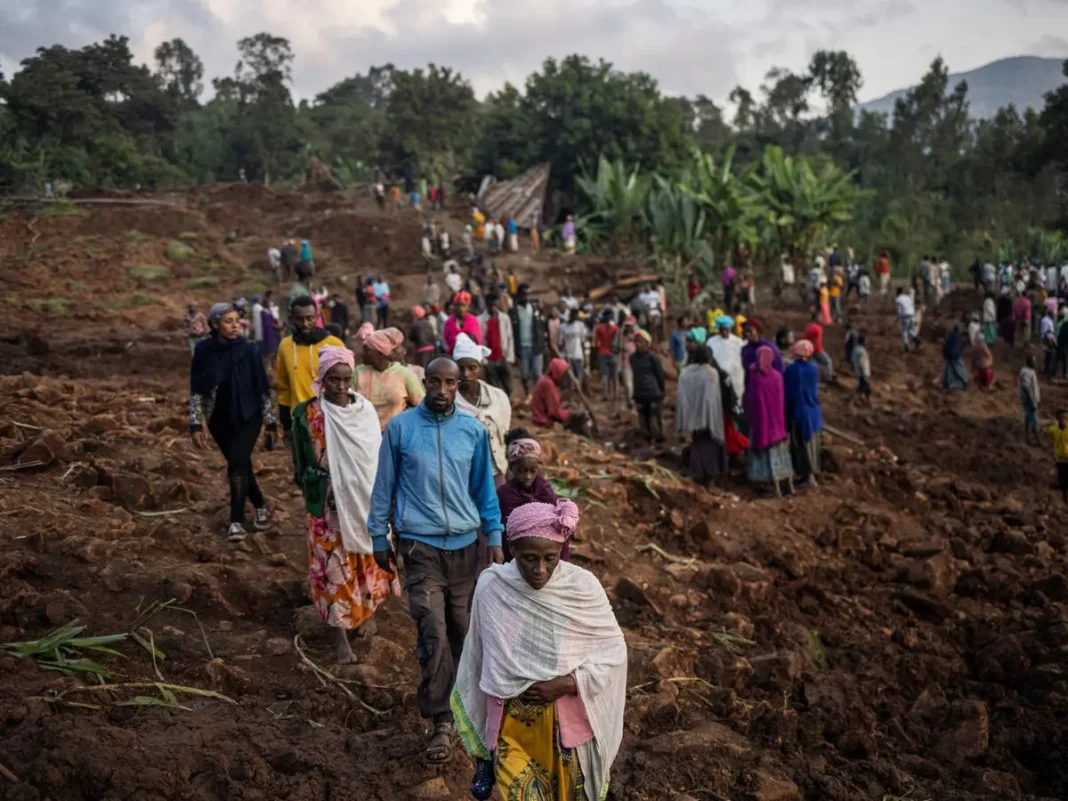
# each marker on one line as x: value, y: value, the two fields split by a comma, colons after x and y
x: 435, y: 483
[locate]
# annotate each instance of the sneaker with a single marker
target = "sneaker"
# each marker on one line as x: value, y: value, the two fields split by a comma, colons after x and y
x: 262, y: 518
x: 236, y: 533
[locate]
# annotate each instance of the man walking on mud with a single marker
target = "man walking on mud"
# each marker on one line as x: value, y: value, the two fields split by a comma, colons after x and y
x: 435, y: 484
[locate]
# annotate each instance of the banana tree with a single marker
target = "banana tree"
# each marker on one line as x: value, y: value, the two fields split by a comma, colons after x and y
x: 729, y: 203
x: 615, y: 198
x: 676, y: 225
x: 801, y: 201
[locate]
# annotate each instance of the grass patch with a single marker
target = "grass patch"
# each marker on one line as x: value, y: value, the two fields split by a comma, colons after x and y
x: 82, y: 240
x: 54, y: 306
x: 148, y: 272
x: 135, y: 236
x: 253, y: 288
x: 176, y: 251
x: 213, y: 265
x: 189, y: 236
x: 132, y: 302
x: 815, y: 652
x: 61, y: 208
x: 203, y: 282
x: 75, y: 285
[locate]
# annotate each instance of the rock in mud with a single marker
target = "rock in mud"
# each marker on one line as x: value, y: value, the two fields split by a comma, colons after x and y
x: 930, y: 704
x: 131, y: 490
x: 971, y: 737
x: 1000, y: 785
x: 308, y: 623
x: 727, y: 670
x: 1054, y: 587
x: 936, y: 575
x: 277, y: 560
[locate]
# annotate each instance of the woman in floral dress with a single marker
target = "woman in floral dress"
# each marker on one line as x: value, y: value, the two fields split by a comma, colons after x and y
x: 336, y: 438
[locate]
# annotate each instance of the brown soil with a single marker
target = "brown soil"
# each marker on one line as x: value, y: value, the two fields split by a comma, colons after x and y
x: 900, y: 633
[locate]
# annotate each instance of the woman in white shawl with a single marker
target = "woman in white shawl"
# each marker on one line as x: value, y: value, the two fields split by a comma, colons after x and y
x: 727, y: 351
x: 542, y: 682
x: 336, y: 437
x: 699, y: 411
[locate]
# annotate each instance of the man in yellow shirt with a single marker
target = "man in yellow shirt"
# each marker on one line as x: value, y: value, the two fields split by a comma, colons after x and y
x: 298, y: 359
x: 836, y: 296
x: 1059, y: 434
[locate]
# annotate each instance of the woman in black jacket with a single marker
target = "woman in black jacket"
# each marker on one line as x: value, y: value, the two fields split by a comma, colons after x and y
x: 648, y: 387
x: 230, y: 396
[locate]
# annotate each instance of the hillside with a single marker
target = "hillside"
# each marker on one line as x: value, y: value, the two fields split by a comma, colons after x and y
x: 1022, y: 81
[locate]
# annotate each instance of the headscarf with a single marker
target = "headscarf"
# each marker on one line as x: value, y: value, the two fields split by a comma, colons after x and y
x: 418, y: 312
x: 739, y: 321
x: 754, y: 324
x: 216, y: 312
x: 543, y: 521
x: 724, y: 321
x: 384, y: 341
x: 522, y: 448
x: 330, y: 355
x: 803, y: 349
x: 462, y: 298
x: 698, y: 335
x: 557, y: 368
x: 765, y: 356
x: 644, y: 335
x: 630, y: 319
x: 364, y: 331
x: 467, y: 348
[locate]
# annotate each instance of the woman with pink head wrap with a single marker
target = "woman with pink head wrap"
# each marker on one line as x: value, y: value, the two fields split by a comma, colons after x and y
x: 336, y: 440
x: 765, y: 404
x: 461, y: 322
x: 388, y: 384
x: 542, y: 680
x: 525, y: 484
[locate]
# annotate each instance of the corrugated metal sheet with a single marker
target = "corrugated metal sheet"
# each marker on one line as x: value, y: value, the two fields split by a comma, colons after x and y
x: 522, y: 198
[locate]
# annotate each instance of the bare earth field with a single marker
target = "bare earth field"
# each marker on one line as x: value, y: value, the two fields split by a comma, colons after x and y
x: 901, y: 633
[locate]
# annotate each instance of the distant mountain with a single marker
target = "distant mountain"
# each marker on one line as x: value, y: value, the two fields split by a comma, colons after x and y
x: 1022, y: 81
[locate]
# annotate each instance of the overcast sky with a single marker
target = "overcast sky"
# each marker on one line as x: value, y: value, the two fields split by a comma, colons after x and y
x: 690, y: 46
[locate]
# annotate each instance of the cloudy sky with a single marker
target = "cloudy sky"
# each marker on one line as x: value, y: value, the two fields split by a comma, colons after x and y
x: 691, y: 46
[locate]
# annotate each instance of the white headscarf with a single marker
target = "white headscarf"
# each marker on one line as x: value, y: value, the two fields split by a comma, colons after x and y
x: 467, y: 348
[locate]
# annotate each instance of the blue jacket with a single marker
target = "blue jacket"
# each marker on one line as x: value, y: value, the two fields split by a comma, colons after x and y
x: 435, y: 475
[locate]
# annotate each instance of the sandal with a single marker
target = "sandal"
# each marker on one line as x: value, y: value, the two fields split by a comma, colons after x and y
x: 439, y: 749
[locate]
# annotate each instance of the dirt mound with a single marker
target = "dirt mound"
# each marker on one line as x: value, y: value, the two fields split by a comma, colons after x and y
x: 900, y: 633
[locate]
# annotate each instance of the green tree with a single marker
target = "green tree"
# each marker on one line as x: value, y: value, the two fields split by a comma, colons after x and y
x: 430, y: 122
x: 180, y: 72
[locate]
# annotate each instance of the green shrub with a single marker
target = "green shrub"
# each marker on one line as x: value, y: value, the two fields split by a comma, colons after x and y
x: 54, y: 306
x: 203, y: 282
x: 189, y: 236
x: 135, y: 236
x: 148, y: 272
x: 176, y: 251
x: 61, y: 208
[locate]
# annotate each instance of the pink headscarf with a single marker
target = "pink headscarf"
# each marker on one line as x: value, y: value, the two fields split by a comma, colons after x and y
x: 523, y: 447
x: 384, y: 341
x: 765, y: 357
x: 803, y: 349
x: 418, y: 312
x: 544, y: 521
x: 462, y: 298
x: 364, y: 331
x: 329, y: 356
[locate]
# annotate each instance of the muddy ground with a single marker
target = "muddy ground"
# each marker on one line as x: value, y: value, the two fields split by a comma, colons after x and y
x: 900, y: 633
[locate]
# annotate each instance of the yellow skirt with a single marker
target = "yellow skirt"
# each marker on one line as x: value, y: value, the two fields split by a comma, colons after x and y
x: 531, y: 763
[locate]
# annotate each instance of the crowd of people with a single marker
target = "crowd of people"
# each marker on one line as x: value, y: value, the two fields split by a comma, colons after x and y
x: 406, y: 455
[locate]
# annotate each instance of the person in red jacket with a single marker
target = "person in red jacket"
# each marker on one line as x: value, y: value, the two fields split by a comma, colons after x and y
x: 545, y: 406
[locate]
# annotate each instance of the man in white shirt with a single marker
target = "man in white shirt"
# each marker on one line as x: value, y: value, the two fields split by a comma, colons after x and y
x: 573, y: 344
x: 906, y: 314
x: 452, y: 278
